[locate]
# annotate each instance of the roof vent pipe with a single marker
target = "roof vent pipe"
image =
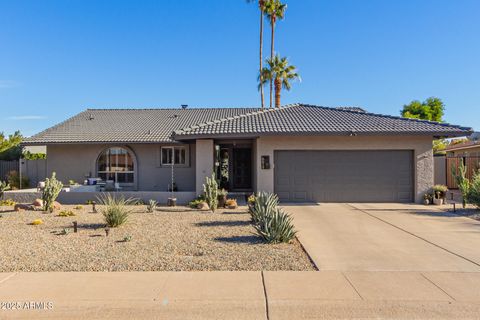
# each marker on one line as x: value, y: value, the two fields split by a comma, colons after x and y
x: 184, y: 106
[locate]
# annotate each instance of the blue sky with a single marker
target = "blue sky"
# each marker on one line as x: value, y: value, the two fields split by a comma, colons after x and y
x: 60, y: 57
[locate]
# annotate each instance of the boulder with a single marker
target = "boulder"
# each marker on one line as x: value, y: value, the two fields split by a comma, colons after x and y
x: 38, y: 203
x: 57, y: 205
x: 203, y: 206
x: 22, y: 207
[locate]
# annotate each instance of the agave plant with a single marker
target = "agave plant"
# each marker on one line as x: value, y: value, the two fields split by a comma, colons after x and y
x: 276, y: 228
x: 265, y: 205
x: 152, y: 204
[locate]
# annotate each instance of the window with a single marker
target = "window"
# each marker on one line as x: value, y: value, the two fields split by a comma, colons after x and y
x: 116, y: 164
x: 175, y: 155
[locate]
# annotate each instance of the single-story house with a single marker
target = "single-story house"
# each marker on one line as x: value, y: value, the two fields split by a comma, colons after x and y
x: 470, y: 148
x: 301, y: 152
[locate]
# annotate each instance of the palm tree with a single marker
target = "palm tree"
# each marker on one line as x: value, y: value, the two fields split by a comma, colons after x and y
x: 280, y: 73
x: 261, y: 6
x: 274, y: 10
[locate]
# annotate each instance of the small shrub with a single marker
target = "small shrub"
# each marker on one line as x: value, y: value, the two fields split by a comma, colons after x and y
x: 152, y: 204
x: 37, y: 222
x: 439, y: 191
x: 7, y: 202
x: 89, y: 202
x: 65, y: 231
x: 251, y: 199
x: 210, y: 189
x: 115, y: 210
x: 66, y: 213
x: 51, y: 192
x: 4, y: 186
x: 276, y: 228
x: 79, y: 207
x: 127, y: 238
x: 13, y: 179
x: 138, y: 202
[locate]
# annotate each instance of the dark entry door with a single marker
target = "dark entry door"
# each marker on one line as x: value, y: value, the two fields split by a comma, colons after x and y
x: 242, y: 168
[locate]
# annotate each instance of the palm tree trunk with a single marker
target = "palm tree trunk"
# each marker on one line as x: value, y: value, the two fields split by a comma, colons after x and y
x: 261, y: 59
x: 272, y: 48
x: 278, y: 88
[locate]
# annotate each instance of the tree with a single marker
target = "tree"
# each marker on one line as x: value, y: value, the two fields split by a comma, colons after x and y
x: 274, y: 10
x: 261, y: 6
x: 10, y: 148
x: 431, y: 109
x: 280, y: 73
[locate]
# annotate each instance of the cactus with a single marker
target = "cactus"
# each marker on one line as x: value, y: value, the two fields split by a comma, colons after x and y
x: 4, y: 186
x: 265, y: 205
x: 210, y: 188
x: 50, y: 192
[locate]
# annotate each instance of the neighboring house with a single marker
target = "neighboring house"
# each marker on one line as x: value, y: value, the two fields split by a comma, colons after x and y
x: 470, y: 148
x: 301, y: 152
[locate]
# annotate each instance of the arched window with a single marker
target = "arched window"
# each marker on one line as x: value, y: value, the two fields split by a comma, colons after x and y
x: 116, y: 164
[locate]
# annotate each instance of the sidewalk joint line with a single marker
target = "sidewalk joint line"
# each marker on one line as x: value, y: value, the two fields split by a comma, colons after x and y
x: 436, y: 285
x: 8, y: 278
x: 413, y: 234
x: 348, y: 280
x: 267, y: 311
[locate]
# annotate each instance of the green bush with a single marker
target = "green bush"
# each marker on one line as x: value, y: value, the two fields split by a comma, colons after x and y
x: 210, y: 189
x: 115, y: 210
x: 194, y: 203
x: 13, y: 179
x: 4, y: 186
x: 66, y: 213
x: 50, y: 192
x: 277, y: 227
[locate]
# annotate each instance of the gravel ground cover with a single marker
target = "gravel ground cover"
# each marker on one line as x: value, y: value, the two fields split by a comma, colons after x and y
x: 160, y: 241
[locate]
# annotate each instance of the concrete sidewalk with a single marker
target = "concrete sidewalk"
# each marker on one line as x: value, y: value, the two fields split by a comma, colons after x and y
x: 242, y: 295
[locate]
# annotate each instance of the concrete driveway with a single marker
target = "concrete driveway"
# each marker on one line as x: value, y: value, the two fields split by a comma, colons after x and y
x: 387, y: 237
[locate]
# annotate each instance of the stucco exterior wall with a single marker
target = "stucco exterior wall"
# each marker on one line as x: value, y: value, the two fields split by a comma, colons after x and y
x: 422, y: 147
x: 76, y: 162
x: 204, y: 162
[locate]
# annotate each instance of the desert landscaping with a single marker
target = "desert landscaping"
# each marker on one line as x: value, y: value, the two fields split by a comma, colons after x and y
x: 183, y: 239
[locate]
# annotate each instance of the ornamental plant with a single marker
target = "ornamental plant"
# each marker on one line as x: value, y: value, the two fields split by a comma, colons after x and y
x: 50, y: 192
x: 210, y: 189
x: 115, y: 210
x: 462, y: 181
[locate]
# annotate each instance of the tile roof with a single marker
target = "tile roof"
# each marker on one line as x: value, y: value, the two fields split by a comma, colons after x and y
x: 129, y: 125
x: 165, y: 125
x: 309, y: 119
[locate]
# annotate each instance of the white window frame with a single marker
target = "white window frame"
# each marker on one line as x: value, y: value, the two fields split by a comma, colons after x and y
x: 173, y: 148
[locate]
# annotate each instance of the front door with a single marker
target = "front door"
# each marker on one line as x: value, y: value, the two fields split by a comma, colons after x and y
x: 242, y: 169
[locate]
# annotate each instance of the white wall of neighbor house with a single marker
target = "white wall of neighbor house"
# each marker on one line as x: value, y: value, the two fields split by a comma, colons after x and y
x: 76, y: 161
x: 204, y: 158
x: 421, y: 146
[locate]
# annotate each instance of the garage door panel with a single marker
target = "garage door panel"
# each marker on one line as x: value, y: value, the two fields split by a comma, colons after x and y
x: 342, y: 176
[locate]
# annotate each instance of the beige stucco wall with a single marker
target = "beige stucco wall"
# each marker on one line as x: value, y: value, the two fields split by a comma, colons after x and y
x: 204, y: 162
x: 422, y: 147
x: 78, y: 161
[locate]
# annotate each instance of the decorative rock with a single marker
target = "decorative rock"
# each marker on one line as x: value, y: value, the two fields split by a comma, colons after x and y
x: 22, y: 207
x: 203, y: 206
x: 57, y: 205
x: 38, y: 203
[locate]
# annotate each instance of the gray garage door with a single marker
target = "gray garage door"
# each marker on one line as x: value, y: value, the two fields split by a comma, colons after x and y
x: 344, y: 176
